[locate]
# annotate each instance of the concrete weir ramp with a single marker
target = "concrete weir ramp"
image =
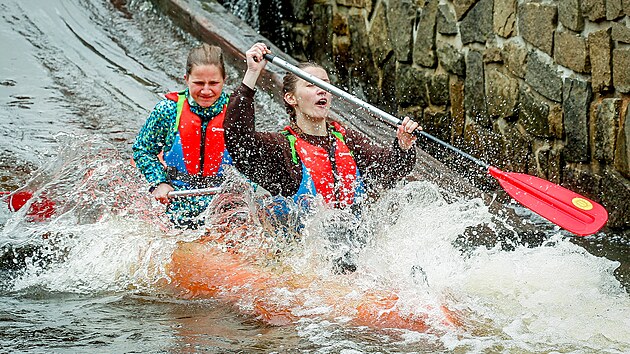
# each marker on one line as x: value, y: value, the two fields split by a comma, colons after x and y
x: 210, y: 22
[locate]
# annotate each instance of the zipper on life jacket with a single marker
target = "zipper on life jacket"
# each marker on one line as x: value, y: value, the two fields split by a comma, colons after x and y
x: 202, y: 146
x: 333, y: 166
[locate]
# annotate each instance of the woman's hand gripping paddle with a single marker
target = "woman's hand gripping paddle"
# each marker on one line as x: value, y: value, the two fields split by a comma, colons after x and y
x: 557, y: 204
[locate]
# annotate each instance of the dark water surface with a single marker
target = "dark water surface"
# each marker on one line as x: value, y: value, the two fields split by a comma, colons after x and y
x: 77, y: 80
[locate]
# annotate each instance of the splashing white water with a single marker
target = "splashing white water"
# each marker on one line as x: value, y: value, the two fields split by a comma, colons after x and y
x: 555, y: 296
x: 110, y: 255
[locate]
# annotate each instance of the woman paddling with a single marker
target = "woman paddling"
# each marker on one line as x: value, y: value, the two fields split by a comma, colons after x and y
x: 181, y: 145
x: 312, y: 155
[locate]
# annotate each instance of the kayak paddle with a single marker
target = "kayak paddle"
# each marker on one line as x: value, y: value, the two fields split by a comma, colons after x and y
x: 194, y: 192
x: 40, y: 210
x: 43, y: 208
x: 557, y: 204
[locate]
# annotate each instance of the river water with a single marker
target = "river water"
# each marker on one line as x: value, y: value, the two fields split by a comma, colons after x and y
x: 77, y: 81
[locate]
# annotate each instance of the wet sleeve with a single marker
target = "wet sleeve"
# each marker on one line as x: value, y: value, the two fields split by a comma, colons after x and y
x: 380, y: 166
x: 151, y: 140
x: 263, y: 157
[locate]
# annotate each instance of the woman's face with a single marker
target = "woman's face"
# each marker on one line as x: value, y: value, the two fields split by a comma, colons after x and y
x: 310, y: 101
x: 205, y: 83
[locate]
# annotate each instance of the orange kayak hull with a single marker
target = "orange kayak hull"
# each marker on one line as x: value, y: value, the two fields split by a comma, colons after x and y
x: 201, y: 270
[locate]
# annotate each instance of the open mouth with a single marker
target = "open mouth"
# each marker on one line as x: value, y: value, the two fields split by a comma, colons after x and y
x: 322, y: 102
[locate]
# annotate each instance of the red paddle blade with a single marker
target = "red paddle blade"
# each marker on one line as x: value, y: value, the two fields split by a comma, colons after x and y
x: 557, y: 204
x: 18, y: 199
x: 40, y: 210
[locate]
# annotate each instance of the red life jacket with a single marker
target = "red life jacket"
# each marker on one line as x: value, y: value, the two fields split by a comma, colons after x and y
x: 338, y: 189
x: 189, y: 148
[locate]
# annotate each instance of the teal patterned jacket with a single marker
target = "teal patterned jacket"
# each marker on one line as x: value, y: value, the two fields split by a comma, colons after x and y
x: 158, y: 135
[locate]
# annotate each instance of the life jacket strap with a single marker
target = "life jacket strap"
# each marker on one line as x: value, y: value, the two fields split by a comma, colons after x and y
x: 181, y: 98
x: 292, y: 139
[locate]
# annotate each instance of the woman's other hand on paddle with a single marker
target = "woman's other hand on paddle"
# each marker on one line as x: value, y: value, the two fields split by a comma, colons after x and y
x: 161, y: 192
x: 405, y: 135
x: 255, y: 63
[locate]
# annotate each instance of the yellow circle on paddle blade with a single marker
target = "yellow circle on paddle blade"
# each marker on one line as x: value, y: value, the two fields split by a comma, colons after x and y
x: 582, y: 203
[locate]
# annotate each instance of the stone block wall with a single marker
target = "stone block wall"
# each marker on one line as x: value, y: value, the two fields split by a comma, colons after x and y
x: 540, y: 87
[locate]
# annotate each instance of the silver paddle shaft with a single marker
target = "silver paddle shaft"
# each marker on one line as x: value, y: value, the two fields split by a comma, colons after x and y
x: 194, y: 192
x: 374, y: 110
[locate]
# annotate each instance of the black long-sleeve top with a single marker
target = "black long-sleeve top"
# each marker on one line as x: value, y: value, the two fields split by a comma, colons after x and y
x: 266, y: 159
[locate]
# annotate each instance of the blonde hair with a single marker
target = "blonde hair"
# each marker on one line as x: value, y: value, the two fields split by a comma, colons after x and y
x: 205, y: 54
